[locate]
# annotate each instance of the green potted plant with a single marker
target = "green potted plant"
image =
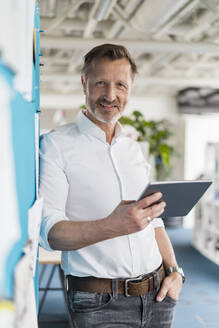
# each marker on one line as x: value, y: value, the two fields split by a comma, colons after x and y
x: 157, y: 134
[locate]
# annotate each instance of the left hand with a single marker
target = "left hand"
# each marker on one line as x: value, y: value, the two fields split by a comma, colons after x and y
x: 171, y: 286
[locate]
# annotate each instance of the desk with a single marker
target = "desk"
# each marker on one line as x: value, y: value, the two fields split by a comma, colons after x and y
x: 46, y: 257
x: 54, y: 259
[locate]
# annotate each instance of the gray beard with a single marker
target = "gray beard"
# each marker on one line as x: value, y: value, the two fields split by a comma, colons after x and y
x: 101, y: 119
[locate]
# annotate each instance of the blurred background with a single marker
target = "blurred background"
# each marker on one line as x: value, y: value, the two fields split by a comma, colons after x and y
x: 173, y: 113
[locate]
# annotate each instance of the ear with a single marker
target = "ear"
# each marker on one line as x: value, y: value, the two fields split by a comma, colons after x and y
x: 84, y: 84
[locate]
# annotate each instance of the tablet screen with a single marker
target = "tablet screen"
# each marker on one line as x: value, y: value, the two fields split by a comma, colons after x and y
x: 180, y: 196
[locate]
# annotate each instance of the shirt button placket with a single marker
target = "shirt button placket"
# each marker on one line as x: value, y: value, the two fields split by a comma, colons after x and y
x: 113, y: 160
x: 131, y: 238
x: 135, y: 263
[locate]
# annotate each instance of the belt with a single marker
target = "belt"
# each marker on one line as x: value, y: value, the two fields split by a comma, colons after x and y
x: 129, y: 287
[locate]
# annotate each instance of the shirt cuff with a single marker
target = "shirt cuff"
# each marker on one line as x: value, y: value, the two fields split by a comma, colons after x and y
x: 47, y: 223
x: 158, y: 222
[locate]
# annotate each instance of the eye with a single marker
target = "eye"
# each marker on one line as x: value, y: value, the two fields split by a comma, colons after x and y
x: 121, y: 85
x: 100, y: 83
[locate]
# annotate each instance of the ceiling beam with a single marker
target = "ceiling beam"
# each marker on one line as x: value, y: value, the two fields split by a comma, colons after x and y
x: 75, y: 24
x: 182, y: 82
x: 72, y: 43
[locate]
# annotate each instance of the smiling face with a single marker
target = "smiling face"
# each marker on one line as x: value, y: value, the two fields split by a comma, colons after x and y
x: 107, y: 87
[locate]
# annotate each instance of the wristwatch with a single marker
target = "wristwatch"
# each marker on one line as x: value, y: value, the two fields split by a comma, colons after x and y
x: 176, y: 269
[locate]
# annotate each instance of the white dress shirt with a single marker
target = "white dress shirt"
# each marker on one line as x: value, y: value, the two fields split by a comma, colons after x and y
x: 83, y: 178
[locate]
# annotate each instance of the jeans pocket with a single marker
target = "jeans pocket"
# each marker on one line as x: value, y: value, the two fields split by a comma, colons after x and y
x: 88, y: 302
x: 171, y: 300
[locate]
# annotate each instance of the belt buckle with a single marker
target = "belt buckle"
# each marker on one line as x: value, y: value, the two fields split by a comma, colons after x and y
x: 126, y: 284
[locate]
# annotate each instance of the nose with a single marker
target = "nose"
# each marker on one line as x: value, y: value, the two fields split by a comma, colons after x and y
x: 110, y: 94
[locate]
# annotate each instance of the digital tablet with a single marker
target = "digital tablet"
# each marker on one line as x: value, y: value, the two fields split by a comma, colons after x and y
x: 180, y: 196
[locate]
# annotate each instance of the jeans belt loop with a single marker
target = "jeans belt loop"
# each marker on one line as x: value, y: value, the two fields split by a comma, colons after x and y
x: 151, y: 283
x: 115, y: 288
x: 156, y: 280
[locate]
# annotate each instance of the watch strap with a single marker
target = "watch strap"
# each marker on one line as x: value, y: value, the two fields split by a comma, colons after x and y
x: 176, y: 269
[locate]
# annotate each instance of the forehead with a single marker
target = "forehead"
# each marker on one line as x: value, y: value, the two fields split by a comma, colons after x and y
x: 107, y: 67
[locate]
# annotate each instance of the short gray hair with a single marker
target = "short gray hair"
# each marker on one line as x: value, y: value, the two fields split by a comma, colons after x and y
x: 111, y: 51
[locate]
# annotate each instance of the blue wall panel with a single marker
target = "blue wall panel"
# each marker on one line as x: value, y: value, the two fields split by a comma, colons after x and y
x: 23, y: 139
x: 22, y: 121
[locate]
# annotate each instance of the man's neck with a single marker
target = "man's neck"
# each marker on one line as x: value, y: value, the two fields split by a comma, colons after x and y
x: 108, y: 128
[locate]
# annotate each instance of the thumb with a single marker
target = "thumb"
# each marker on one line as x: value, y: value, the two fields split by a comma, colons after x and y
x: 162, y: 293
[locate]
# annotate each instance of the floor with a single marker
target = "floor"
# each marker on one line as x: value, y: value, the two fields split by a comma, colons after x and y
x: 199, y: 302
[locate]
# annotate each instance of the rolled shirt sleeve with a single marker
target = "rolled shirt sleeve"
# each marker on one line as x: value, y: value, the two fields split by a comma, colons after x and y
x: 53, y: 187
x: 158, y: 222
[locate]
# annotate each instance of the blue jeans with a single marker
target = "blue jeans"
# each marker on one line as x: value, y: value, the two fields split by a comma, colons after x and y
x: 101, y: 310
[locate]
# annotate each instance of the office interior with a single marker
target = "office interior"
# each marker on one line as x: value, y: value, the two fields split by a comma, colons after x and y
x: 175, y: 45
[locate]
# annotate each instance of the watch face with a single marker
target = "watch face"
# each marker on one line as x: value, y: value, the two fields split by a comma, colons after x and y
x: 180, y: 270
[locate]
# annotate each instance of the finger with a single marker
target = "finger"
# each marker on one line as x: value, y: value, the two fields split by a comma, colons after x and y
x: 144, y: 222
x: 154, y: 211
x: 163, y: 290
x: 147, y: 201
x: 126, y: 202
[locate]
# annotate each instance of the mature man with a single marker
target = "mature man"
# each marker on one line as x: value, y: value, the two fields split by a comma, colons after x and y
x: 120, y: 265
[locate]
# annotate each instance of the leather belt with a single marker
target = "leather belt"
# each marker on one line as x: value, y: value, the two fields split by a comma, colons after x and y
x: 129, y: 287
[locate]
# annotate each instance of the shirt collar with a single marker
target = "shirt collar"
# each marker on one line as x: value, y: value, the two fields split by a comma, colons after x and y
x: 85, y: 125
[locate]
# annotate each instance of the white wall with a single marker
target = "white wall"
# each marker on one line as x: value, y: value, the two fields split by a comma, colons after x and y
x: 165, y: 107
x: 199, y: 130
x: 155, y: 107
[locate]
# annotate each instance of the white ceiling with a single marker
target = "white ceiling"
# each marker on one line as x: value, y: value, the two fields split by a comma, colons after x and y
x: 174, y: 42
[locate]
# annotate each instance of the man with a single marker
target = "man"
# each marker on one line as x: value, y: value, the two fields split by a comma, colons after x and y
x: 115, y: 250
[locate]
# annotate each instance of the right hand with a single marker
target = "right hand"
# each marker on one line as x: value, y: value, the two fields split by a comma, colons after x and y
x: 131, y: 216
